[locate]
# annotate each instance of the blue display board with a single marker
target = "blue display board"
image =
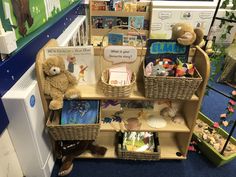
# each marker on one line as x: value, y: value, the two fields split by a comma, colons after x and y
x: 14, y: 67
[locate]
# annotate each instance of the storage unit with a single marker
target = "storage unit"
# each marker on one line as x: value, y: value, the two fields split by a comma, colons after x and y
x: 173, y: 138
x: 27, y: 126
x: 106, y: 13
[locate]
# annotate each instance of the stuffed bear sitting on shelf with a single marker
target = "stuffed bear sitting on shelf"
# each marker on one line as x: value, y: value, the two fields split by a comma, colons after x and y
x: 59, y: 82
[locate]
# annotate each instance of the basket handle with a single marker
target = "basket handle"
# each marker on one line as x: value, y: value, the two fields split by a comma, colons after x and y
x: 117, y: 27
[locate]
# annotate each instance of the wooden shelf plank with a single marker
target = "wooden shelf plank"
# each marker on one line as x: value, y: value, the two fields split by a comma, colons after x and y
x: 131, y: 113
x: 95, y: 92
x: 103, y: 32
x: 169, y: 146
x: 106, y: 139
x: 121, y: 14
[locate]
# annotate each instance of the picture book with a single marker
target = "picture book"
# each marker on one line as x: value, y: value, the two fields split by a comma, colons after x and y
x: 146, y: 25
x: 100, y: 5
x: 122, y: 21
x: 97, y: 22
x: 80, y: 112
x: 117, y: 5
x: 109, y: 22
x: 165, y: 48
x: 115, y: 39
x: 138, y: 141
x: 130, y: 40
x: 136, y: 22
x: 78, y: 60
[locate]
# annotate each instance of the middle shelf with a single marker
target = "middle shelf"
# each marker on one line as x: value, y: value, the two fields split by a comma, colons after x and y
x: 95, y: 92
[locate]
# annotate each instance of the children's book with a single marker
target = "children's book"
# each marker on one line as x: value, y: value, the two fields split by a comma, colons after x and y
x: 122, y: 21
x: 78, y: 60
x: 80, y: 112
x: 138, y: 141
x: 136, y: 22
x: 109, y: 22
x: 165, y: 48
x: 97, y: 22
x: 115, y: 39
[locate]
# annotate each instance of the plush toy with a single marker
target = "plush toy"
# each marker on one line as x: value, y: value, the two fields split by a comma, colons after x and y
x: 59, y: 82
x: 168, y: 65
x: 186, y: 35
x: 184, y: 69
x: 69, y: 150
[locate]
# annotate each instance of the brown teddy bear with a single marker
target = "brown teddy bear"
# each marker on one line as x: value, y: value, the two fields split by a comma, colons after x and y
x: 59, y: 82
x: 185, y: 34
x: 72, y: 149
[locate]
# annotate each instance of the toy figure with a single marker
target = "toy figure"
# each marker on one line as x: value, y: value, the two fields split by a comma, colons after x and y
x: 72, y: 62
x: 82, y: 72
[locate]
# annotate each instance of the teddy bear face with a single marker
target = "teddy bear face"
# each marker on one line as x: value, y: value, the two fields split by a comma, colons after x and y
x: 53, y: 66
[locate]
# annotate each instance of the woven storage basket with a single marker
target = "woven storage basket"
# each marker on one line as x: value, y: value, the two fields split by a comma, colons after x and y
x: 129, y: 155
x: 117, y: 91
x: 166, y: 87
x: 73, y: 131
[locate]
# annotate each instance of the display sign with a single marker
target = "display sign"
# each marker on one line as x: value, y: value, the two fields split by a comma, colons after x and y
x: 120, y: 54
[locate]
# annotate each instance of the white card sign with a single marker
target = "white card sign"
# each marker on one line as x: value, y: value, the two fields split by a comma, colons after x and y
x: 120, y: 54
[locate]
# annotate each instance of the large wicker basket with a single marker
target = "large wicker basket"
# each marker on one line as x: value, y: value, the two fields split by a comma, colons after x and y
x: 116, y: 91
x: 72, y: 131
x: 166, y: 87
x: 129, y: 155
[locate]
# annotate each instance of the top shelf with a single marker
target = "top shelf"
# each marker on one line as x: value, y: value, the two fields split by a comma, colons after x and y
x: 120, y: 14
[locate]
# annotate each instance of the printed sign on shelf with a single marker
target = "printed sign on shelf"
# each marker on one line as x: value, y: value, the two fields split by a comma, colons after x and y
x: 120, y: 54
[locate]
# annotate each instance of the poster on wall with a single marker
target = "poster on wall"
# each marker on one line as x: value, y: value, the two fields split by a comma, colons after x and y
x: 26, y: 16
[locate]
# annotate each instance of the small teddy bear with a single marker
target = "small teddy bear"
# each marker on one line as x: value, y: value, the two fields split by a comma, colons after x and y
x: 59, y: 82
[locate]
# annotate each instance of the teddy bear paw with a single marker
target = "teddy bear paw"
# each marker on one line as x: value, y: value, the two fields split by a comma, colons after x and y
x: 72, y: 94
x: 55, y: 105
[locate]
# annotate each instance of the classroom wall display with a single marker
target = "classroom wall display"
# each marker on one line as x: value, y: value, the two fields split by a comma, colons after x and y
x: 26, y: 16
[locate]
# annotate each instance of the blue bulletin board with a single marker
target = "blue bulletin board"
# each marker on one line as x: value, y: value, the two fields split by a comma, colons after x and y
x: 15, y: 66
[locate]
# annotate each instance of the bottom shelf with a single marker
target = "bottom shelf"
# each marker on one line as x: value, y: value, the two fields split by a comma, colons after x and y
x: 168, y: 145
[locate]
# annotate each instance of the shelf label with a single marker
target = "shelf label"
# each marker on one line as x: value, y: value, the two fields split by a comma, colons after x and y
x: 120, y: 54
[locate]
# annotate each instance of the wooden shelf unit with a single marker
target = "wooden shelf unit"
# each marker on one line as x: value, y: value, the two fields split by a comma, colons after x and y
x: 173, y: 138
x: 103, y: 32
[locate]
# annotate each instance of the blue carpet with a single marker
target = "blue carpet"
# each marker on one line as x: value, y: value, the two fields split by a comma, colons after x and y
x: 195, y: 166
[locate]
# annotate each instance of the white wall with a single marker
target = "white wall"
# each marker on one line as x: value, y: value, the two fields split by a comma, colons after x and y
x: 9, y: 164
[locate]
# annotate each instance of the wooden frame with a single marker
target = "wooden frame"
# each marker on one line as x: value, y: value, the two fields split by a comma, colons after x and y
x: 172, y: 139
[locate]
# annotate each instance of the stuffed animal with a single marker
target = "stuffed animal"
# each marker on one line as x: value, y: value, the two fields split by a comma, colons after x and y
x: 184, y: 69
x: 168, y: 64
x: 59, y: 82
x: 69, y: 150
x: 186, y: 35
x: 159, y: 70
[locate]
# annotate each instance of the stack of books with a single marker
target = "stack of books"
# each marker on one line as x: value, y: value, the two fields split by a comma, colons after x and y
x: 120, y: 76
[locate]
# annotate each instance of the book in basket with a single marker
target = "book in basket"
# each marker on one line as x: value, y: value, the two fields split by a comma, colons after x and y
x: 80, y: 112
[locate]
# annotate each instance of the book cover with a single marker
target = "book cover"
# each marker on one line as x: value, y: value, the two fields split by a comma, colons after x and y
x: 97, y: 22
x: 122, y: 21
x: 117, y: 5
x: 165, y: 48
x: 130, y: 40
x: 138, y: 141
x: 109, y: 22
x: 136, y: 22
x: 80, y: 112
x: 78, y: 60
x: 115, y: 39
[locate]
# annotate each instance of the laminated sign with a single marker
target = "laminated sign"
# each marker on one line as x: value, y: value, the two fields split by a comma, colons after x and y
x: 120, y: 54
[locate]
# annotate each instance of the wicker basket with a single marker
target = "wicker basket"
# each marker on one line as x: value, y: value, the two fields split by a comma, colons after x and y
x: 116, y: 91
x: 166, y: 87
x: 129, y: 155
x: 72, y: 131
